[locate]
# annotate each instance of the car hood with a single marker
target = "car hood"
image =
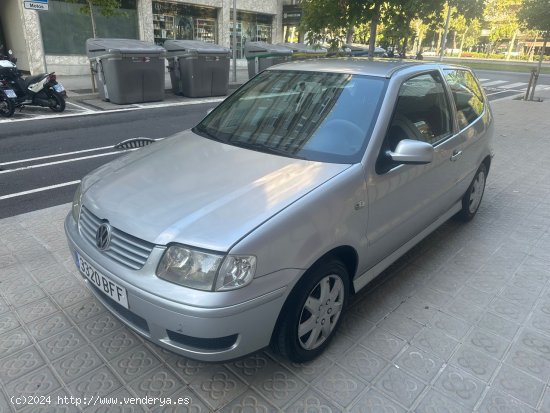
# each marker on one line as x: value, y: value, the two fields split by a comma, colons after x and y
x: 199, y: 192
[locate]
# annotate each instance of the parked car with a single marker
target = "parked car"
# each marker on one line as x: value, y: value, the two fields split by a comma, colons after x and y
x: 256, y: 226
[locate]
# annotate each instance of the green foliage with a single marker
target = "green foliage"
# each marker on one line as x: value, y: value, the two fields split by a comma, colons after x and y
x: 535, y: 14
x: 104, y: 7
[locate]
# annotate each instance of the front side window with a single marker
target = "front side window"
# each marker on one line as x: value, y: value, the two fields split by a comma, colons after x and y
x: 467, y: 96
x: 326, y: 117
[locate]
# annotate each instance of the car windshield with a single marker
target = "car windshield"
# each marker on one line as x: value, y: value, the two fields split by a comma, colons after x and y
x: 317, y: 116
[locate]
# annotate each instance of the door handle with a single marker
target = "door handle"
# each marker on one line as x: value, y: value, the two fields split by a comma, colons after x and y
x: 456, y: 154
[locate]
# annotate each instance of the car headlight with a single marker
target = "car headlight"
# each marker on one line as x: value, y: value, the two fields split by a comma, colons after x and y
x: 205, y: 271
x: 77, y: 203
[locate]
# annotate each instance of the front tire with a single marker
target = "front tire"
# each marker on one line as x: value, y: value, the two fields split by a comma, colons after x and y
x: 58, y: 102
x: 312, y: 312
x: 472, y: 198
x: 7, y: 107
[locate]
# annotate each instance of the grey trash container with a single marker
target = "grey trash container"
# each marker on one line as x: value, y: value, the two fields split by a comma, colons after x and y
x: 261, y: 55
x: 197, y: 69
x: 127, y: 70
x: 301, y: 51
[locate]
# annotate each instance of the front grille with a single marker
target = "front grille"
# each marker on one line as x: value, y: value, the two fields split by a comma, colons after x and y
x: 125, y: 249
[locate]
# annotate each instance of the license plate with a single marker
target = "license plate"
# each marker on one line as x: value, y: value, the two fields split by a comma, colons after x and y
x: 10, y: 93
x: 110, y: 288
x: 58, y: 88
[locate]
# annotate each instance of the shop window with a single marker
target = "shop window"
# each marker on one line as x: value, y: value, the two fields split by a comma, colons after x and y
x: 65, y: 29
x: 184, y: 22
x: 251, y: 27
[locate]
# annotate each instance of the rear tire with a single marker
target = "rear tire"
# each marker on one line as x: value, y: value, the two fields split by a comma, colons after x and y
x: 312, y: 312
x: 59, y: 105
x: 472, y: 198
x: 7, y: 107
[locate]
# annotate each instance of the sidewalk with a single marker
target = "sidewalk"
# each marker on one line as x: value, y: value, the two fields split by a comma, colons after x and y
x: 461, y: 323
x: 79, y: 89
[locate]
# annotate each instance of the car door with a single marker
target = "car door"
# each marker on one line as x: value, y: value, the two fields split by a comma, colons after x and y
x: 405, y: 199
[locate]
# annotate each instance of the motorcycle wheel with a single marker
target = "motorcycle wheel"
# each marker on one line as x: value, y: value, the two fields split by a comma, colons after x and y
x: 59, y: 105
x: 7, y: 107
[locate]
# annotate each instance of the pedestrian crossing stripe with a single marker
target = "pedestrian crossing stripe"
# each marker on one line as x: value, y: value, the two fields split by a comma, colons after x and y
x: 494, y: 82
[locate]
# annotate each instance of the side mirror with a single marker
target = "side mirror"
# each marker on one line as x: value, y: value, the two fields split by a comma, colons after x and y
x: 410, y: 151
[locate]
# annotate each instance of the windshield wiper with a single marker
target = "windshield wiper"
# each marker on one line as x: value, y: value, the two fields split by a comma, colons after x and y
x: 262, y: 148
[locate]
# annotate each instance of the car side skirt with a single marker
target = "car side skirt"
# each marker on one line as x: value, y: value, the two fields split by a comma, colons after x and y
x: 369, y: 275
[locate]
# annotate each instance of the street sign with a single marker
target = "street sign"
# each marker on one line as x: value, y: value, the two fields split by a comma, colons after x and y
x: 36, y: 4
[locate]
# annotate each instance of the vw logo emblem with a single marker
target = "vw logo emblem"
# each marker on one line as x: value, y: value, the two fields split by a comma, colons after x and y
x: 103, y: 236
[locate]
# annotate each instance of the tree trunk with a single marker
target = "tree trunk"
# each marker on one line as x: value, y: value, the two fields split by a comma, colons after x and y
x: 462, y: 41
x: 373, y: 28
x: 541, y: 57
x: 92, y: 18
x: 349, y: 35
x: 512, y: 44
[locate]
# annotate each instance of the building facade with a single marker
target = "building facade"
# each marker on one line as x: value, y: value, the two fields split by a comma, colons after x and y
x: 54, y: 40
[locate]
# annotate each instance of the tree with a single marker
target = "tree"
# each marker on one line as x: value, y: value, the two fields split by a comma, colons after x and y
x: 535, y: 14
x: 103, y: 7
x: 502, y: 18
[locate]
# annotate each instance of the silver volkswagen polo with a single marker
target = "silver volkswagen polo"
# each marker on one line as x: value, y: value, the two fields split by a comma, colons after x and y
x: 256, y: 226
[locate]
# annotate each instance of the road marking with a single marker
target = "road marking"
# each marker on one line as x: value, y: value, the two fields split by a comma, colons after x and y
x: 32, y: 191
x: 495, y: 82
x: 516, y: 85
x: 101, y: 112
x: 80, y: 107
x: 483, y: 80
x: 64, y: 161
x: 56, y: 155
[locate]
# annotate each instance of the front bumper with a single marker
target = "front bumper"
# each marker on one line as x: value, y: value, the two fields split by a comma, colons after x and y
x: 203, y: 330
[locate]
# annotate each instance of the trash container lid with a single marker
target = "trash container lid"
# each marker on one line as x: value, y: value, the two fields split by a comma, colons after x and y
x: 98, y: 46
x: 178, y: 47
x: 304, y: 48
x: 262, y: 49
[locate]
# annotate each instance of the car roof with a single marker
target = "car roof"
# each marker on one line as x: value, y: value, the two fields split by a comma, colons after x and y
x: 355, y: 65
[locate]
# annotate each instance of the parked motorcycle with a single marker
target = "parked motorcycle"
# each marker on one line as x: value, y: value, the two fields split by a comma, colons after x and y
x: 40, y: 90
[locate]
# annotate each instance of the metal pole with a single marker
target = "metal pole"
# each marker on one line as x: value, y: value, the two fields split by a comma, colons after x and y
x: 444, y: 40
x: 234, y: 41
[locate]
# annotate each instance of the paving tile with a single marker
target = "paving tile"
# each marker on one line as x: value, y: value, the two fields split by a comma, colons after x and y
x: 8, y: 322
x: 373, y: 401
x: 529, y: 362
x: 310, y: 370
x: 540, y: 322
x: 185, y: 368
x: 446, y: 283
x: 418, y: 310
x: 46, y: 273
x: 37, y: 383
x: 488, y: 343
x: 19, y: 364
x: 77, y: 363
x: 216, y: 385
x: 72, y: 295
x: 400, y: 386
x: 253, y: 402
x: 310, y: 401
x: 369, y: 310
x: 363, y: 363
x: 435, y: 342
x: 519, y: 385
x: 531, y: 283
x: 545, y: 407
x: 134, y: 363
x: 475, y: 296
x: 452, y: 326
x: 464, y: 310
x: 25, y: 295
x: 62, y: 343
x: 535, y: 342
x: 3, y: 306
x: 434, y: 297
x: 338, y: 346
x: 248, y: 368
x: 61, y: 283
x: 383, y: 343
x: 509, y: 310
x: 60, y: 403
x: 97, y: 383
x: 279, y: 385
x: 486, y: 283
x: 435, y: 402
x: 99, y: 325
x: 403, y: 327
x: 460, y: 386
x: 354, y: 326
x: 4, y: 404
x: 36, y: 310
x: 17, y: 282
x: 498, y: 325
x: 116, y: 343
x: 84, y: 310
x: 519, y: 296
x: 48, y: 326
x: 13, y: 341
x: 419, y: 363
x: 186, y: 402
x: 498, y: 402
x: 475, y: 362
x: 339, y: 386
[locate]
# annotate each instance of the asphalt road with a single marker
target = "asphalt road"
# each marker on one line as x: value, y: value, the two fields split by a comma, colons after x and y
x: 69, y: 148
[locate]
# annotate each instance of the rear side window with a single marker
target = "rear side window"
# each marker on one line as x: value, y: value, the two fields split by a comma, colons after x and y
x: 467, y: 96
